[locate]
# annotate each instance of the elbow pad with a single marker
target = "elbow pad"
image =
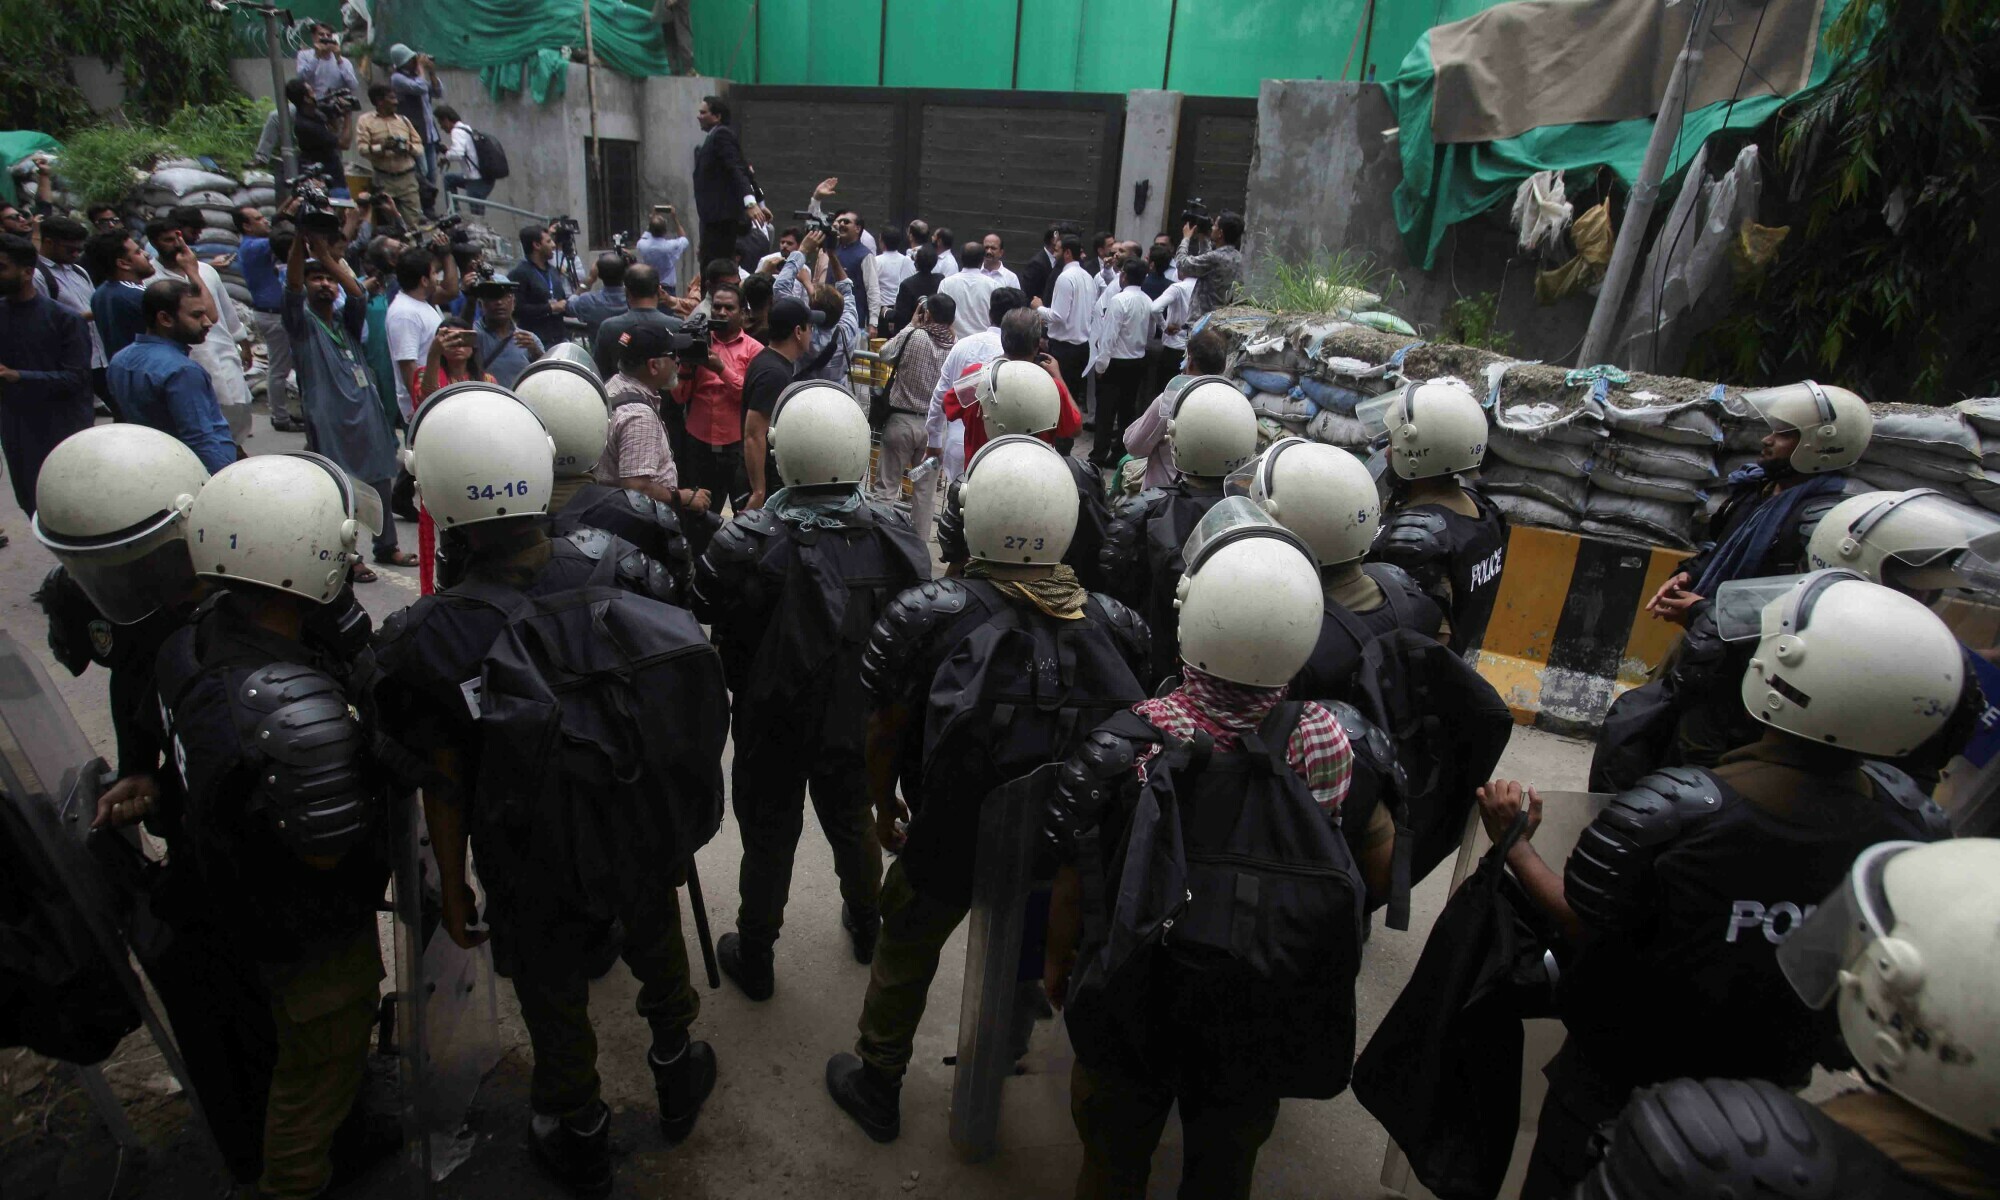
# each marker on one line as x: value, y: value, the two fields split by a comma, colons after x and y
x: 315, y: 786
x: 1608, y: 878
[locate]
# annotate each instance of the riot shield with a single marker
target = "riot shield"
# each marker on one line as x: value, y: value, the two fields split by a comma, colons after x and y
x: 51, y: 779
x: 1009, y: 821
x: 447, y: 1014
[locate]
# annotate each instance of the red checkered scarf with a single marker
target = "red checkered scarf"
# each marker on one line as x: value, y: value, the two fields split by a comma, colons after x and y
x: 1318, y: 748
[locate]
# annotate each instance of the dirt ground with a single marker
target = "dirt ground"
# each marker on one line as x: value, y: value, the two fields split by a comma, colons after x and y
x: 770, y: 1129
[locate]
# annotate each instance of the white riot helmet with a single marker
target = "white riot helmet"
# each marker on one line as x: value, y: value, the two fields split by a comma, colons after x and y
x: 291, y: 522
x: 479, y: 454
x: 1019, y: 501
x: 569, y: 399
x: 1435, y: 428
x: 1249, y: 602
x: 1843, y: 661
x: 110, y: 505
x: 1833, y: 423
x: 1910, y: 541
x: 1322, y: 493
x: 819, y: 435
x: 1212, y: 427
x: 1909, y: 951
x: 1017, y: 397
x: 574, y: 353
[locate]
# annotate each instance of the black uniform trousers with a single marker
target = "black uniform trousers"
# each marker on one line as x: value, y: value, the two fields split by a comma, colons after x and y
x: 1120, y: 1118
x: 1117, y: 396
x: 554, y: 991
x: 718, y: 240
x: 776, y: 762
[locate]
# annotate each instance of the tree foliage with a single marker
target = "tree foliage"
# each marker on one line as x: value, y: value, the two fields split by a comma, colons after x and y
x: 1886, y: 283
x: 169, y: 53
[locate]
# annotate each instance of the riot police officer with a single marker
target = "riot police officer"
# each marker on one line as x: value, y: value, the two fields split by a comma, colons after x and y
x: 1445, y: 533
x: 570, y: 400
x: 1001, y: 632
x: 1327, y: 497
x: 792, y: 590
x: 1271, y: 776
x: 283, y: 808
x: 1917, y: 542
x: 1679, y: 893
x: 484, y: 469
x: 1905, y: 951
x: 1817, y: 432
x: 1214, y: 431
x: 1016, y: 395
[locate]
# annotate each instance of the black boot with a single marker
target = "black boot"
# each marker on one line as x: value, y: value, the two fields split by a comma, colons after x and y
x: 682, y: 1082
x: 578, y: 1150
x: 748, y: 967
x: 862, y: 933
x: 874, y: 1100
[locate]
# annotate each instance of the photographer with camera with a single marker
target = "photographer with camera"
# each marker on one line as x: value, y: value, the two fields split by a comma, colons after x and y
x: 836, y: 315
x: 418, y: 89
x: 1215, y: 270
x: 331, y: 75
x: 393, y: 147
x: 314, y: 131
x: 504, y: 347
x: 543, y: 298
x: 712, y: 369
x: 661, y: 252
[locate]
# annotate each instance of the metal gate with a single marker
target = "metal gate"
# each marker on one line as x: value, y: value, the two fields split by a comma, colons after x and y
x: 974, y: 162
x: 1218, y: 137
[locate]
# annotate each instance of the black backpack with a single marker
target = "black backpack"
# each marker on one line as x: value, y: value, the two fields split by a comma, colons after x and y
x: 1448, y: 728
x: 491, y: 156
x: 1015, y: 692
x: 602, y: 718
x: 1227, y: 959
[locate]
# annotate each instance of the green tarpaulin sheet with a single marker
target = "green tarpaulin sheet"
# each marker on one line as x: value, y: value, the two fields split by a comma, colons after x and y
x: 15, y: 145
x: 517, y: 45
x: 1443, y: 185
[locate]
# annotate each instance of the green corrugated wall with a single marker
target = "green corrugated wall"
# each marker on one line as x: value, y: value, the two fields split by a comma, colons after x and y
x: 1201, y: 47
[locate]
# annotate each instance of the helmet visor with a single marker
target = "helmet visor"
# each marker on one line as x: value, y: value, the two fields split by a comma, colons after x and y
x: 1923, y: 529
x: 1739, y: 605
x: 1786, y: 408
x: 361, y: 501
x: 1253, y: 479
x: 1232, y: 519
x: 1813, y: 955
x: 1379, y: 413
x: 129, y: 583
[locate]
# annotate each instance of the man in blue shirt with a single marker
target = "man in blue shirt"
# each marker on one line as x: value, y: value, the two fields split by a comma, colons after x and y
x: 663, y: 253
x: 157, y: 384
x: 257, y: 259
x: 121, y: 268
x: 505, y: 349
x: 543, y: 298
x: 593, y: 308
x: 44, y: 370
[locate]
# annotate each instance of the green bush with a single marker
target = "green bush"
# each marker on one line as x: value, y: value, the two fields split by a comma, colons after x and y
x: 1321, y: 283
x: 98, y: 163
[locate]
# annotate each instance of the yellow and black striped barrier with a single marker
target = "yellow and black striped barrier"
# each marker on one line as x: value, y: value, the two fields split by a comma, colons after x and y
x: 1569, y: 629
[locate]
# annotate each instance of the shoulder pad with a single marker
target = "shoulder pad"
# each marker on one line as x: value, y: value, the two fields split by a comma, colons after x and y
x: 1908, y: 795
x: 1086, y: 785
x: 313, y: 784
x: 642, y: 574
x: 1418, y: 541
x: 657, y: 511
x: 1414, y: 527
x: 907, y: 625
x: 1718, y: 1137
x: 1609, y: 874
x: 78, y: 633
x: 1386, y: 574
x: 951, y: 528
x: 1368, y: 740
x: 1127, y: 628
x: 895, y: 516
x: 742, y: 538
x: 1139, y: 507
x: 591, y: 542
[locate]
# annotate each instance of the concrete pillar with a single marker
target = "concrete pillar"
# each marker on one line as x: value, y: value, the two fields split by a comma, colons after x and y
x: 1152, y: 131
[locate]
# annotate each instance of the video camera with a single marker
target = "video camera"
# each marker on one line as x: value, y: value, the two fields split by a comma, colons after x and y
x: 565, y: 231
x: 692, y: 342
x: 318, y: 211
x: 1194, y: 212
x: 814, y: 224
x: 486, y: 284
x: 620, y: 245
x: 339, y: 100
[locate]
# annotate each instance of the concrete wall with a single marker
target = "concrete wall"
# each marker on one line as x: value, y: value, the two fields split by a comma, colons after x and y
x: 1323, y: 179
x: 1152, y: 128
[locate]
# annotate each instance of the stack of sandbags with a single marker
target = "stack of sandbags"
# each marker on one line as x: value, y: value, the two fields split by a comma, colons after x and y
x: 28, y: 185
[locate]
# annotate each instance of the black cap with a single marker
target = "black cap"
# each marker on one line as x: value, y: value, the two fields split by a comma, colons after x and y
x: 645, y: 341
x: 787, y: 316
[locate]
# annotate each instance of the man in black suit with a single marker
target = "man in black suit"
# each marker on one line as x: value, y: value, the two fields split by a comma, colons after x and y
x: 724, y: 193
x: 754, y: 243
x: 923, y: 282
x: 1038, y: 276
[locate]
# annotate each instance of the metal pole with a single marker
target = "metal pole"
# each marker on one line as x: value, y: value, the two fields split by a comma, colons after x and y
x: 596, y: 155
x: 1646, y: 190
x: 288, y: 149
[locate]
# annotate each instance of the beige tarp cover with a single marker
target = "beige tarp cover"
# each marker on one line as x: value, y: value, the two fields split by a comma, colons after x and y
x: 1536, y: 63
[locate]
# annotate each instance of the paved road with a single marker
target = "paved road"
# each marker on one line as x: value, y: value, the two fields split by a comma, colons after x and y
x: 770, y: 1129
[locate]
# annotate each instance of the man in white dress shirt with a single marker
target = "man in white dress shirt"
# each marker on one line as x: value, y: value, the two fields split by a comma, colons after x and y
x: 1118, y: 359
x: 1072, y: 310
x: 994, y: 265
x: 971, y: 288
